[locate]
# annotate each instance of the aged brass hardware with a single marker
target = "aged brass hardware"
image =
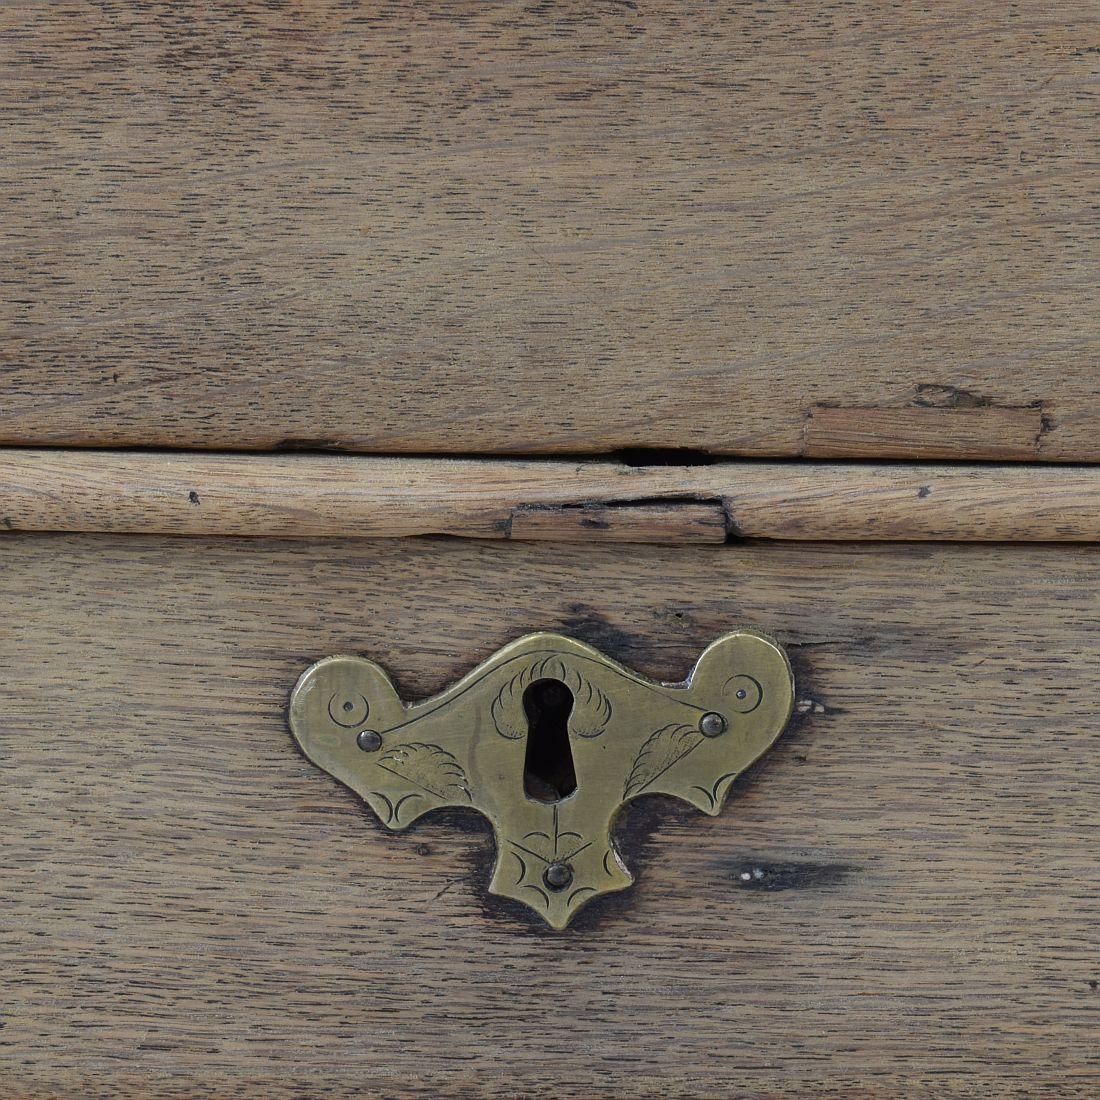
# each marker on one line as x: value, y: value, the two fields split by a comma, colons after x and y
x: 548, y: 739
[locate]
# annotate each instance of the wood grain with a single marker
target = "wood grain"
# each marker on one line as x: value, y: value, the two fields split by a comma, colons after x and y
x: 671, y: 523
x: 920, y: 432
x: 554, y: 227
x: 314, y: 495
x: 190, y: 909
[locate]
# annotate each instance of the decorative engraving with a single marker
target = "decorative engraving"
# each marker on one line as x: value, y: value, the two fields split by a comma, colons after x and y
x: 591, y: 710
x: 427, y: 766
x: 628, y: 737
x: 591, y: 707
x: 659, y: 752
x: 539, y: 852
x: 507, y: 707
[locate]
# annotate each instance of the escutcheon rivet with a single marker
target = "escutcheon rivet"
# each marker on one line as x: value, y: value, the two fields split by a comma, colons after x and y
x: 558, y: 875
x: 369, y: 741
x: 712, y: 724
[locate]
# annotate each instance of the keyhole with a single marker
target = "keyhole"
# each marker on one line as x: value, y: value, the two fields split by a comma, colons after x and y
x: 548, y: 773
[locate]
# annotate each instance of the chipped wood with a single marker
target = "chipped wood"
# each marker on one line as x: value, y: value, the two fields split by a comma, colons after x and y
x: 672, y: 523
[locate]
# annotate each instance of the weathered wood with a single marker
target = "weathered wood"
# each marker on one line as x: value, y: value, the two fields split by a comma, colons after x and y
x: 191, y: 909
x: 919, y: 432
x: 672, y: 523
x: 567, y: 227
x: 315, y: 495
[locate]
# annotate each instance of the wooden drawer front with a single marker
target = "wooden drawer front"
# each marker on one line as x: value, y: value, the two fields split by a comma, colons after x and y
x: 753, y: 228
x: 189, y: 907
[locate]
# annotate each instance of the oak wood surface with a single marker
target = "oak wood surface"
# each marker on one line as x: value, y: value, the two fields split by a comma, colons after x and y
x: 187, y: 907
x: 920, y: 432
x: 314, y: 495
x: 552, y: 227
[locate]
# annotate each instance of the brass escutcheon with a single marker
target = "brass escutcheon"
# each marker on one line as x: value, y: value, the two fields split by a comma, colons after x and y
x: 548, y: 739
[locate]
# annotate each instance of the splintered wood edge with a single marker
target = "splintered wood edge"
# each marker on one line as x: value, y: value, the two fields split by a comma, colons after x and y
x: 380, y: 497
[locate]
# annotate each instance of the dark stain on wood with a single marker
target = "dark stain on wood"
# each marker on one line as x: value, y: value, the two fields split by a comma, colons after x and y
x: 588, y: 624
x: 759, y: 873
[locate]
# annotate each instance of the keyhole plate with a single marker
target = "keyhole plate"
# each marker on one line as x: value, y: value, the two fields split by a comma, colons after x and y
x: 628, y: 736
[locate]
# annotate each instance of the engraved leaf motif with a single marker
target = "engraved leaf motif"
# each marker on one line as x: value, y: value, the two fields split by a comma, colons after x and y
x: 659, y: 752
x: 430, y: 767
x: 591, y: 707
x: 507, y: 707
